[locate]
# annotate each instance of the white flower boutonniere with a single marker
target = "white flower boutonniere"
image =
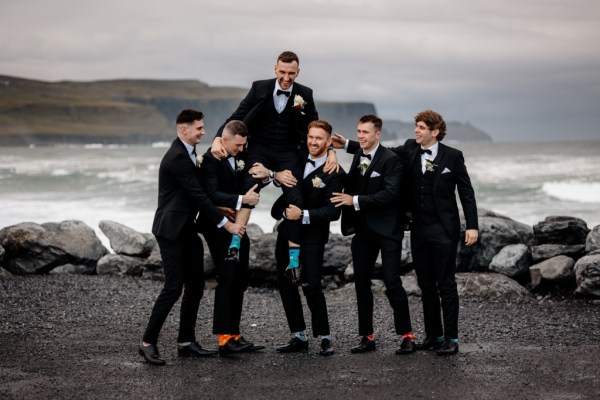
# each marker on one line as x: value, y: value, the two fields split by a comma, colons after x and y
x: 430, y: 166
x: 299, y: 102
x: 199, y: 161
x: 362, y: 167
x: 240, y: 165
x: 317, y: 182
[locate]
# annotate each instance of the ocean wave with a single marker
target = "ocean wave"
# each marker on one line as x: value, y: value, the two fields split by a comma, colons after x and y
x: 582, y: 192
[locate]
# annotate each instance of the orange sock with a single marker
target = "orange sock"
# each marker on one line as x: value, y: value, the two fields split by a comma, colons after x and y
x: 236, y: 337
x: 223, y: 339
x: 409, y: 335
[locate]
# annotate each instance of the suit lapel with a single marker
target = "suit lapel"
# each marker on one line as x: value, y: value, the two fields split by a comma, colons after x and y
x: 440, y: 160
x: 375, y: 161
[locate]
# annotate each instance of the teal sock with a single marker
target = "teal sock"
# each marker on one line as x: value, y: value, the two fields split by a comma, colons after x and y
x: 235, y: 242
x: 301, y: 335
x: 294, y: 257
x: 454, y: 340
x: 439, y: 339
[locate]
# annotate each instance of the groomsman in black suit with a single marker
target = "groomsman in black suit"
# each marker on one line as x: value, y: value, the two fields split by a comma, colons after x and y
x: 317, y: 188
x: 222, y: 181
x: 277, y: 112
x: 372, y: 214
x: 432, y: 174
x: 180, y: 198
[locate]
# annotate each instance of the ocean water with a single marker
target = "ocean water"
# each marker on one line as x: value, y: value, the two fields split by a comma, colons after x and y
x: 525, y: 181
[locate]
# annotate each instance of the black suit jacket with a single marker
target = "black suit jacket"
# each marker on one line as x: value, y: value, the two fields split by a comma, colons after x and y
x: 180, y: 195
x: 317, y: 200
x: 260, y: 93
x: 378, y: 202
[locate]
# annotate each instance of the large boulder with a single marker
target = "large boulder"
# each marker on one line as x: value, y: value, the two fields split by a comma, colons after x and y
x: 74, y: 269
x: 592, y: 242
x: 337, y: 254
x: 547, y: 251
x: 561, y: 230
x: 125, y: 240
x: 116, y: 264
x: 513, y: 260
x: 36, y: 249
x: 253, y: 230
x: 491, y: 286
x: 495, y: 232
x: 2, y: 251
x: 587, y: 275
x: 557, y: 270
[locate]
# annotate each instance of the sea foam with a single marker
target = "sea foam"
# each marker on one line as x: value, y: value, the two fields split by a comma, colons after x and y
x: 583, y: 192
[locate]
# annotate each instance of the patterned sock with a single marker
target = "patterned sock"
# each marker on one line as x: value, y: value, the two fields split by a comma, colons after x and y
x: 370, y: 337
x: 235, y: 242
x: 301, y: 335
x: 455, y: 340
x: 223, y: 339
x: 439, y: 339
x: 294, y: 257
x: 409, y: 335
x: 236, y: 337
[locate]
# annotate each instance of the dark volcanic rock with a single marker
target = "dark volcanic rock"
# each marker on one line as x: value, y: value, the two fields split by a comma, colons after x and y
x: 262, y: 253
x: 337, y: 254
x: 74, y: 269
x: 125, y: 240
x: 587, y: 274
x: 513, y: 260
x: 491, y: 286
x: 592, y: 242
x: 561, y: 230
x: 556, y: 270
x: 2, y: 251
x: 34, y: 249
x: 546, y: 251
x: 116, y: 264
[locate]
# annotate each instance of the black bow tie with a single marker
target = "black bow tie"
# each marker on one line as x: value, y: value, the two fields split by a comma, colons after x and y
x: 283, y: 92
x: 308, y: 160
x: 423, y: 151
x: 362, y: 154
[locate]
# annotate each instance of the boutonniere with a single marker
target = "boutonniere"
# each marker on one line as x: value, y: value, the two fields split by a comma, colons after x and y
x: 240, y: 165
x: 362, y: 167
x: 317, y: 182
x: 199, y: 161
x: 430, y: 166
x: 299, y: 102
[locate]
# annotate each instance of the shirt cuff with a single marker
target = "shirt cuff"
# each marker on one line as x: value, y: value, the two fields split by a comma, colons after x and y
x: 346, y: 145
x: 305, y: 217
x: 355, y: 202
x: 222, y: 223
x: 239, y: 202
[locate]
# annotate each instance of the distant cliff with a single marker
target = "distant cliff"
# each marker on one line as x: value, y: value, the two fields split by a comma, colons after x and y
x: 142, y: 111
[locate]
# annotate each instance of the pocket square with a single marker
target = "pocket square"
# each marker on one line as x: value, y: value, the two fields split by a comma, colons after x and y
x: 445, y: 171
x: 375, y: 174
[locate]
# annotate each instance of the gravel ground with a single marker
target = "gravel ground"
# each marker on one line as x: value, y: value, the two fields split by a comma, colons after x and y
x: 69, y: 336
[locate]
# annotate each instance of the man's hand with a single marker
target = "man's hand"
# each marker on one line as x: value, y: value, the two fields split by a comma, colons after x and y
x: 331, y: 163
x: 338, y: 140
x: 259, y: 171
x: 471, y: 236
x: 293, y: 213
x: 217, y: 149
x: 286, y: 178
x: 229, y: 213
x: 251, y: 198
x: 234, y: 229
x: 341, y: 199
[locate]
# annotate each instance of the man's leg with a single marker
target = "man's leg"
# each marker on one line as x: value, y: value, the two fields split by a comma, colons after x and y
x: 364, y: 255
x: 193, y: 287
x: 290, y: 297
x: 312, y: 262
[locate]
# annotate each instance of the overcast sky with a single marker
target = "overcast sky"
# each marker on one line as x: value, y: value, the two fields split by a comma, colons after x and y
x: 519, y: 69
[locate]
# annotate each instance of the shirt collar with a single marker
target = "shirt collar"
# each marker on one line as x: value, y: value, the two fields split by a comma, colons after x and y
x: 277, y: 87
x: 434, y: 149
x: 318, y: 161
x: 372, y: 152
x: 188, y: 147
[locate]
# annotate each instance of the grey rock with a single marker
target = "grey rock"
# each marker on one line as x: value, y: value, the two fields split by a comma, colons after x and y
x: 409, y: 282
x: 74, y: 269
x: 513, y: 260
x: 2, y: 251
x: 154, y: 260
x: 337, y: 254
x: 5, y: 273
x: 253, y: 230
x: 116, y: 264
x: 349, y: 273
x: 262, y: 253
x: 558, y: 269
x: 561, y: 230
x: 587, y: 275
x: 546, y: 251
x: 35, y: 249
x: 592, y: 241
x: 125, y: 240
x: 491, y: 286
x: 495, y: 232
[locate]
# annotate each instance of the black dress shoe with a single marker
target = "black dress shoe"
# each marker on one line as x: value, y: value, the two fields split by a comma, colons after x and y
x: 430, y: 343
x: 150, y: 353
x: 326, y: 348
x: 406, y: 347
x: 448, y: 348
x: 194, y: 350
x: 252, y: 347
x: 232, y: 347
x: 364, y: 346
x: 295, y: 345
x: 233, y: 254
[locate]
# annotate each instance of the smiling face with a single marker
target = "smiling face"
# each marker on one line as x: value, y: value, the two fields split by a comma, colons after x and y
x: 286, y: 73
x: 368, y: 136
x: 318, y: 140
x: 425, y: 136
x: 191, y: 133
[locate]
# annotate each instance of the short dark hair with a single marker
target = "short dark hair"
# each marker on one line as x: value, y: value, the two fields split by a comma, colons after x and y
x: 288, y: 57
x: 374, y: 119
x: 188, y: 116
x: 321, y: 123
x: 236, y: 127
x: 433, y: 121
